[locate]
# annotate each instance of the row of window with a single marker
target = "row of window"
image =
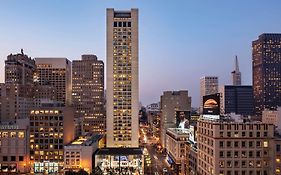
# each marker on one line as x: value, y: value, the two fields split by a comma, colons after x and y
x: 12, y: 158
x: 12, y: 134
x: 122, y: 24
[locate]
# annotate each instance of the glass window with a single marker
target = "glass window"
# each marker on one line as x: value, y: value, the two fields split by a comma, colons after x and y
x: 13, y: 134
x: 5, y: 134
x: 21, y: 134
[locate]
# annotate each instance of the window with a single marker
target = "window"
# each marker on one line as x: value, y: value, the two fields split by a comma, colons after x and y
x: 265, y: 134
x: 258, y: 154
x: 228, y: 164
x: 13, y: 134
x: 236, y: 134
x: 13, y: 158
x: 228, y: 144
x: 21, y: 158
x: 251, y: 164
x: 221, y: 153
x: 265, y: 144
x: 250, y: 134
x: 250, y: 153
x: 221, y: 144
x: 236, y: 144
x: 243, y: 154
x: 129, y: 24
x: 115, y: 24
x: 21, y: 134
x: 258, y: 134
x: 228, y: 154
x: 236, y: 154
x: 243, y: 134
x: 243, y: 163
x: 228, y: 134
x: 5, y: 134
x: 278, y: 148
x: 236, y: 164
x: 243, y: 144
x: 221, y: 163
x: 5, y: 158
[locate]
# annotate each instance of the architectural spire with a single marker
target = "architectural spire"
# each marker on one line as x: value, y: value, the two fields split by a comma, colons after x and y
x: 236, y: 64
x: 236, y: 74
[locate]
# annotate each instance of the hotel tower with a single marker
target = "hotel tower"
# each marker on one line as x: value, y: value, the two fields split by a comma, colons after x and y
x: 122, y: 92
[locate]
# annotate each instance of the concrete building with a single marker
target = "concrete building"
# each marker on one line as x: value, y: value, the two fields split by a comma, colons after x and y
x: 55, y: 72
x: 266, y: 72
x: 15, y: 101
x: 273, y: 117
x: 122, y: 92
x: 236, y: 99
x: 19, y: 69
x: 175, y: 148
x: 79, y: 153
x: 236, y: 74
x: 88, y: 93
x: 51, y: 127
x: 16, y: 93
x: 228, y: 147
x: 14, y: 147
x: 208, y: 85
x: 172, y: 101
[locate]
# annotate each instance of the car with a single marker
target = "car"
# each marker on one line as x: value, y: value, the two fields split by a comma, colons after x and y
x: 165, y: 170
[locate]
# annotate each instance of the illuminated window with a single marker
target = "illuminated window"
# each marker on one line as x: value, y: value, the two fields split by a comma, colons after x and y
x: 21, y: 134
x: 5, y: 134
x: 13, y: 134
x: 265, y: 144
x: 277, y: 160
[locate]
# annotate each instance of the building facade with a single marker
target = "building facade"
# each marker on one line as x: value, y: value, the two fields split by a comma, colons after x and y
x: 176, y: 150
x: 266, y: 72
x: 208, y: 85
x: 14, y: 147
x: 19, y: 69
x: 236, y: 99
x: 122, y: 92
x: 88, y: 93
x: 55, y: 72
x: 15, y: 101
x: 172, y: 101
x: 228, y: 147
x: 79, y: 153
x: 51, y: 127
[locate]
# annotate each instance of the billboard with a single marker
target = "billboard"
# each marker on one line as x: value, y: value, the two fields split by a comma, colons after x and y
x: 211, y: 104
x: 182, y: 119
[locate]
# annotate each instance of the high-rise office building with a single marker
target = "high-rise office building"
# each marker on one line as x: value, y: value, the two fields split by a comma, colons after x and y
x: 122, y: 92
x: 236, y: 99
x: 55, y: 72
x: 88, y: 93
x: 172, y: 101
x: 208, y: 85
x: 16, y: 94
x: 19, y: 69
x: 267, y: 72
x: 236, y: 74
x: 51, y: 127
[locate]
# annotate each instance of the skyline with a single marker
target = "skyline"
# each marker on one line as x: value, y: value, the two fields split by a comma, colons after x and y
x: 51, y: 29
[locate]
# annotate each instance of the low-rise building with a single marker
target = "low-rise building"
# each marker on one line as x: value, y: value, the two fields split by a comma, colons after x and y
x: 175, y: 147
x: 14, y: 147
x: 78, y: 153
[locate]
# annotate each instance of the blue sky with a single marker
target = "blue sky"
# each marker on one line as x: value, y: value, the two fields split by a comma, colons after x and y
x: 180, y: 41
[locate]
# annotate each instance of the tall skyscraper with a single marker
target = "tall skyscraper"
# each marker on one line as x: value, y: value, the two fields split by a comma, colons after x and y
x: 236, y: 99
x: 122, y: 92
x: 208, y: 85
x: 88, y: 93
x: 236, y: 74
x: 267, y: 72
x: 55, y: 72
x: 19, y: 69
x: 16, y: 94
x: 172, y: 101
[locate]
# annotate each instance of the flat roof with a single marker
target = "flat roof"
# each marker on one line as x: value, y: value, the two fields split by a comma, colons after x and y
x: 119, y: 151
x: 86, y: 140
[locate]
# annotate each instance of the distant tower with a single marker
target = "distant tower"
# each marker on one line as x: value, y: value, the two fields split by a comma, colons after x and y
x: 236, y: 74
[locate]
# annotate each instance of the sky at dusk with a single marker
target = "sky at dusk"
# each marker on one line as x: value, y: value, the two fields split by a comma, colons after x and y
x: 179, y: 41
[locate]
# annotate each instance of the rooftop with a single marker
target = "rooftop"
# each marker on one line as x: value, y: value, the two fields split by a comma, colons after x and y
x: 86, y: 140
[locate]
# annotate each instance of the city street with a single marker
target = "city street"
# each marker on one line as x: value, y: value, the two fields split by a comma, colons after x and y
x: 158, y: 160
